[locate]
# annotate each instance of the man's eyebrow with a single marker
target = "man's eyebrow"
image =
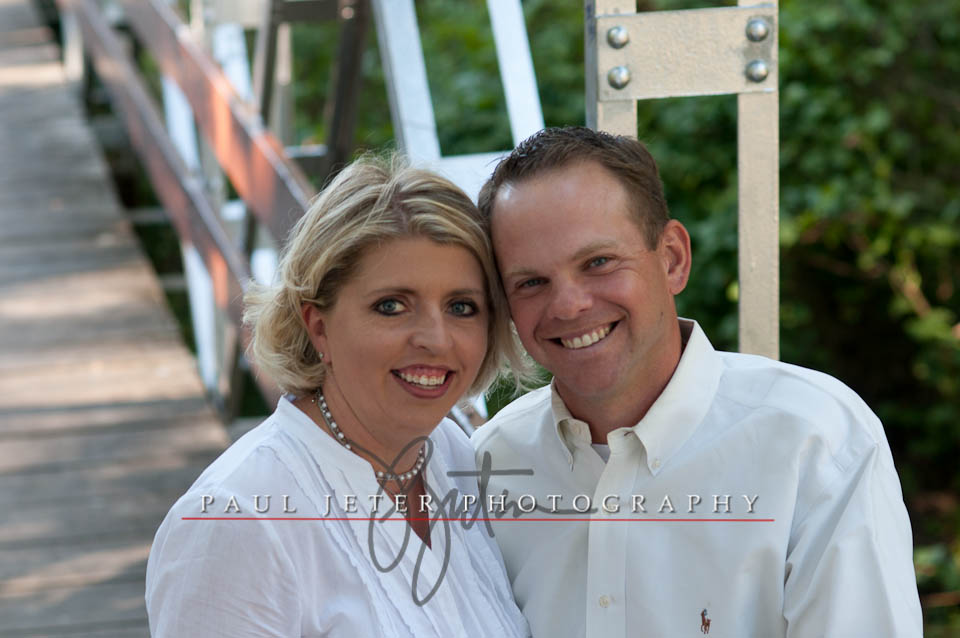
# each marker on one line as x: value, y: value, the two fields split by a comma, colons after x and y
x: 520, y: 272
x: 594, y: 247
x: 590, y: 249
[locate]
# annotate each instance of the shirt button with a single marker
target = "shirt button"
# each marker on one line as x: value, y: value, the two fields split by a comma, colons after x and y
x: 656, y: 463
x: 604, y: 601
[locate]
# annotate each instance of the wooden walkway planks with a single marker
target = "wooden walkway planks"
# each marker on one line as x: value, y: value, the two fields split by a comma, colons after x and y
x: 103, y: 420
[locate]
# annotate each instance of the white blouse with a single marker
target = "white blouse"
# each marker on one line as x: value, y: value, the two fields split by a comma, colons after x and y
x: 233, y: 558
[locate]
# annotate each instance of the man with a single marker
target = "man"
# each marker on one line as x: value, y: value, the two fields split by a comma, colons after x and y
x: 677, y: 489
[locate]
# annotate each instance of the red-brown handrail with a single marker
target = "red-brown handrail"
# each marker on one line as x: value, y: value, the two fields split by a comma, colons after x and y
x: 180, y: 191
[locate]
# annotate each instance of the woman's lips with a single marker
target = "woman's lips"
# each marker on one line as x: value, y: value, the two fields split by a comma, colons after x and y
x: 423, y: 381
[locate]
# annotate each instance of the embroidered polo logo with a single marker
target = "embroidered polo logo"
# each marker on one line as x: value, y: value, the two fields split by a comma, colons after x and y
x: 704, y: 622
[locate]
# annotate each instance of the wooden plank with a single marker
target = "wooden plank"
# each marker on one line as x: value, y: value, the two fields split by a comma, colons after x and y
x: 121, y: 629
x: 103, y: 344
x: 16, y: 203
x: 60, y: 485
x: 95, y: 384
x: 65, y: 255
x: 60, y: 523
x: 17, y: 16
x: 62, y: 608
x: 25, y: 227
x: 58, y: 566
x: 38, y: 420
x: 85, y: 450
x: 107, y: 418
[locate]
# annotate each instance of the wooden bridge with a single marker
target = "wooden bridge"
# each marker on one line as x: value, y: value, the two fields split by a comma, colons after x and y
x: 103, y: 418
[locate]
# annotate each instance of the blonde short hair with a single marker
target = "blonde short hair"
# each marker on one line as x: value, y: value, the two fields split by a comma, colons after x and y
x: 371, y: 201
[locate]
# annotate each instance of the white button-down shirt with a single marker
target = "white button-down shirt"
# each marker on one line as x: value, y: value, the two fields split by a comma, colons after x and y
x: 316, y: 576
x: 755, y: 498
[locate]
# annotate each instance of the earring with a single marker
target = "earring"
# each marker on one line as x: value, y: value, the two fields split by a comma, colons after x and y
x: 321, y: 356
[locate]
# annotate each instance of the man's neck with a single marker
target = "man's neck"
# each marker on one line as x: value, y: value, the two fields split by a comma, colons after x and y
x: 606, y: 413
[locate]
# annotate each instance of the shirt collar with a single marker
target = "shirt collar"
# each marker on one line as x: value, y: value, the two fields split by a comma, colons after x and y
x: 675, y: 414
x: 684, y: 403
x: 569, y: 429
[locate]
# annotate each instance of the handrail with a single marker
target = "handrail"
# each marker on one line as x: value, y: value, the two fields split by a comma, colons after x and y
x: 180, y: 192
x: 270, y: 183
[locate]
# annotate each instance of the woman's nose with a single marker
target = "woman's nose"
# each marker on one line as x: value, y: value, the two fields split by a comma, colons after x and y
x: 431, y: 332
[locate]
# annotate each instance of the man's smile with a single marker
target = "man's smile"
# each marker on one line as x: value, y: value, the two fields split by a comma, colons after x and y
x: 585, y: 338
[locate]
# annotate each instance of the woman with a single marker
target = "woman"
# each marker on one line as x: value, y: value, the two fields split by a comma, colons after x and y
x: 385, y: 314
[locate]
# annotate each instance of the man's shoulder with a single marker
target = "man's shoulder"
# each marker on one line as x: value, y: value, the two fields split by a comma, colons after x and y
x: 514, y: 419
x: 815, y: 401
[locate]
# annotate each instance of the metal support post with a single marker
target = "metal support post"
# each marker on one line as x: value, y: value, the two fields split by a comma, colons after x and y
x: 726, y: 50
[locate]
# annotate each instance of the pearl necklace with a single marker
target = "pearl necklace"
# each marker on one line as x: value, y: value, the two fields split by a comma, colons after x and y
x: 347, y: 443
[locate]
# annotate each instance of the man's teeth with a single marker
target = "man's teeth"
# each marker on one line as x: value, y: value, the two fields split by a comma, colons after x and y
x: 423, y: 379
x: 586, y: 339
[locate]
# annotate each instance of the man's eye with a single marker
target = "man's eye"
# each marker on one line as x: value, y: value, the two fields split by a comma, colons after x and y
x: 597, y: 261
x: 390, y: 307
x: 463, y: 308
x: 530, y: 283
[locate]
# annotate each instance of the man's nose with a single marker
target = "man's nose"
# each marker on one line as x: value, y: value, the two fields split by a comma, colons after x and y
x: 431, y: 332
x: 568, y: 299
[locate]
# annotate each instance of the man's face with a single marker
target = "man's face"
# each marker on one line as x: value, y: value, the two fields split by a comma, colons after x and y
x: 591, y: 302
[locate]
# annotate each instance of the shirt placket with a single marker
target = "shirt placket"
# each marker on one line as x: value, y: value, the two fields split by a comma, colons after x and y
x: 607, y: 542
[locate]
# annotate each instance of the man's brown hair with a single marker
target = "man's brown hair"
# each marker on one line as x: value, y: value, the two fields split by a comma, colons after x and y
x: 625, y: 157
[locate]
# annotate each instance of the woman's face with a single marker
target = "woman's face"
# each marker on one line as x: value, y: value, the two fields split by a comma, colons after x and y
x: 405, y: 338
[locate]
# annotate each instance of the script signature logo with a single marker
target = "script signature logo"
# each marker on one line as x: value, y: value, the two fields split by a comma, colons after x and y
x: 444, y: 514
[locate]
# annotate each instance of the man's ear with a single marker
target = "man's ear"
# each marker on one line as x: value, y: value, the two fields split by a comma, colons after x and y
x: 677, y: 255
x: 313, y: 319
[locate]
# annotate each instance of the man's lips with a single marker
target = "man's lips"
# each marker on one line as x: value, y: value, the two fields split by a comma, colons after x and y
x: 585, y: 338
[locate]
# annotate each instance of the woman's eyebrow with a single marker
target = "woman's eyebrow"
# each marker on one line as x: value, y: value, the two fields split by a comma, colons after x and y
x: 410, y: 291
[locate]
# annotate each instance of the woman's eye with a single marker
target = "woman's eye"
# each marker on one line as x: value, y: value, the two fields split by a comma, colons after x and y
x: 389, y: 307
x: 463, y: 308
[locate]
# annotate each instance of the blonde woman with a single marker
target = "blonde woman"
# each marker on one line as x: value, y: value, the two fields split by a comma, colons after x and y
x: 318, y: 521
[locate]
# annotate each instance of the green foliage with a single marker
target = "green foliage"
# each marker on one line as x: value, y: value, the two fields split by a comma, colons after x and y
x: 870, y: 196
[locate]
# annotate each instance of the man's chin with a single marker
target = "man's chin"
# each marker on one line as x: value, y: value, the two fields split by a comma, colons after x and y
x: 583, y: 382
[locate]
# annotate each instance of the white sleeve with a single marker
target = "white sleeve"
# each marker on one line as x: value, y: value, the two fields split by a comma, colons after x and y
x: 220, y: 578
x: 850, y: 560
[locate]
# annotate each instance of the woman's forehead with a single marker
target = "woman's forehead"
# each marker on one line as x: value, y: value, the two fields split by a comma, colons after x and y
x: 415, y: 263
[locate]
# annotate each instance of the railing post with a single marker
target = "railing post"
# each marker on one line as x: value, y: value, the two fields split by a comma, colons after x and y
x: 724, y: 50
x: 758, y: 180
x: 618, y: 117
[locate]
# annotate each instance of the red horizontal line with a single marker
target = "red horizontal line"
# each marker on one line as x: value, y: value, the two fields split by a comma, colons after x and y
x: 557, y: 519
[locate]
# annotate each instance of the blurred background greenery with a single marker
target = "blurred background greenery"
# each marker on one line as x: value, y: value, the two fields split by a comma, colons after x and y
x: 870, y: 202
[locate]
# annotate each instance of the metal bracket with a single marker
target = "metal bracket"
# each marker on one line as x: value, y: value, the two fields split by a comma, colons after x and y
x: 684, y: 53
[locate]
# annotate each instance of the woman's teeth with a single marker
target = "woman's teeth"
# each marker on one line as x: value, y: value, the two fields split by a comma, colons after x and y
x: 586, y: 339
x: 423, y: 379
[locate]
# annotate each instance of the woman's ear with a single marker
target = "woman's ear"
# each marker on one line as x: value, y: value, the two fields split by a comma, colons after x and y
x: 313, y: 319
x: 677, y: 255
